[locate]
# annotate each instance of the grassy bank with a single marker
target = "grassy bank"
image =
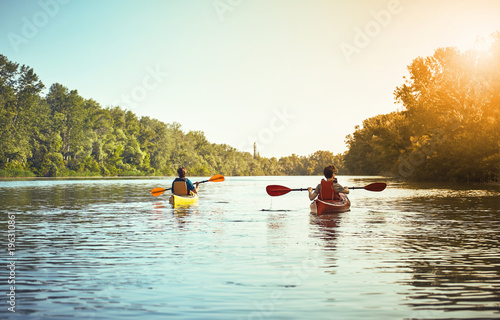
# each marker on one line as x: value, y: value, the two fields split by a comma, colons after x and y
x: 16, y: 173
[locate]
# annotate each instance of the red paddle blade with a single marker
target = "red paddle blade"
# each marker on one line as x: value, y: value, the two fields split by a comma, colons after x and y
x: 217, y: 178
x: 158, y: 191
x: 378, y: 186
x: 275, y: 190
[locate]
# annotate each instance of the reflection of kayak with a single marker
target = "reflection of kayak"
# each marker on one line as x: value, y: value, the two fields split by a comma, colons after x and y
x: 331, y: 206
x: 183, y: 200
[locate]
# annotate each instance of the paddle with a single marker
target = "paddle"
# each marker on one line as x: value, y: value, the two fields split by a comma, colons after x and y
x: 159, y: 191
x: 216, y: 178
x: 377, y: 186
x: 275, y: 190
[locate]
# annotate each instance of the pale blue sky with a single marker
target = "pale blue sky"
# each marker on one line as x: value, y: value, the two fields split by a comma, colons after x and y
x: 295, y: 76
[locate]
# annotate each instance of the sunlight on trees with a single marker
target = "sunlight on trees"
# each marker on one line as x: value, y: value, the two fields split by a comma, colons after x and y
x: 449, y: 127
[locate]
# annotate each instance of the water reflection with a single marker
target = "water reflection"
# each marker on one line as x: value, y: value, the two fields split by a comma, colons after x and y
x: 455, y: 258
x: 464, y: 281
x: 108, y: 249
x: 183, y: 215
x: 159, y: 207
x: 325, y: 228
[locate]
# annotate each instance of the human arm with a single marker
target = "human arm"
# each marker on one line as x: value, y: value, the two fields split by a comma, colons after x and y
x: 192, y: 188
x: 313, y: 193
x: 340, y: 189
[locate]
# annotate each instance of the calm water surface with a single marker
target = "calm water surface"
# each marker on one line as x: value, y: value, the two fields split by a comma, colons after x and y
x: 107, y: 249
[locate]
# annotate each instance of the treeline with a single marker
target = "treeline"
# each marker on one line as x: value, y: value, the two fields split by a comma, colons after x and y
x: 63, y: 134
x: 449, y: 127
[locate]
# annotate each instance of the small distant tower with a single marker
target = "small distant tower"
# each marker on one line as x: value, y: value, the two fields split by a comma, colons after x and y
x: 255, y: 150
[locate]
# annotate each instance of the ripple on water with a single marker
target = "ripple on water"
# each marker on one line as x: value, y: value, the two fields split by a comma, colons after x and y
x: 107, y: 249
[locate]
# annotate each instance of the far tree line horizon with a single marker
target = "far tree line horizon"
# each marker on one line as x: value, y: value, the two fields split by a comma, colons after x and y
x: 447, y: 130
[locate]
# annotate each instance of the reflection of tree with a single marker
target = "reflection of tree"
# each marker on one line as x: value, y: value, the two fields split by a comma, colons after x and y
x: 455, y: 258
x: 455, y: 285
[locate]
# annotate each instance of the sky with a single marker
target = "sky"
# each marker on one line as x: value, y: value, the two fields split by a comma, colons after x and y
x: 293, y: 76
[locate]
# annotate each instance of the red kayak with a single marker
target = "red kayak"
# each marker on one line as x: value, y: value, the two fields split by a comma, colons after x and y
x: 331, y: 206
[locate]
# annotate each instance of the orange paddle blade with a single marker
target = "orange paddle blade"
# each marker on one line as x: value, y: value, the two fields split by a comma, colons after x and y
x: 217, y: 178
x: 158, y: 191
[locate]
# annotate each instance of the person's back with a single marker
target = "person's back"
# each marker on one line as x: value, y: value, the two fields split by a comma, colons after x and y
x: 179, y: 187
x: 182, y: 186
x: 328, y: 189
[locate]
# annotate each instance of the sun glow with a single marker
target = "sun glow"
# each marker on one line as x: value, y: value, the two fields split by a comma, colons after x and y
x: 469, y: 25
x: 472, y: 40
x: 483, y: 43
x: 472, y: 30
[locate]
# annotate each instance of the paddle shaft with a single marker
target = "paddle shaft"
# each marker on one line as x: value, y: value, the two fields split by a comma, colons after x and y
x: 305, y: 189
x: 276, y: 190
x: 301, y: 189
x: 368, y: 187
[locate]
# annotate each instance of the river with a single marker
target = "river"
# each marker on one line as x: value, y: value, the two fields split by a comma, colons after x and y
x: 107, y: 249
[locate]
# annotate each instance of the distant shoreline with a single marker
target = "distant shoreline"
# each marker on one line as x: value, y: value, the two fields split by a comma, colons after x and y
x: 394, y: 179
x: 145, y: 177
x: 85, y: 178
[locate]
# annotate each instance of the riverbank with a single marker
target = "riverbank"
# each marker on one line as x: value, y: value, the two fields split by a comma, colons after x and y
x: 85, y: 178
x: 386, y: 178
x: 69, y: 174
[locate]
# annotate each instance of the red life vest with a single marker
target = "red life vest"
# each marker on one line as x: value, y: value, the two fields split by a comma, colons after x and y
x: 327, y: 191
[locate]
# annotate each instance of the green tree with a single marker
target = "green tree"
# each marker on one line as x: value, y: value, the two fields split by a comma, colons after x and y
x: 19, y: 101
x: 67, y: 110
x: 375, y: 148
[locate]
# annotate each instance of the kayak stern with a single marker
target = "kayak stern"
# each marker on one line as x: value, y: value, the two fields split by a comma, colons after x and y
x: 183, y: 200
x: 331, y: 206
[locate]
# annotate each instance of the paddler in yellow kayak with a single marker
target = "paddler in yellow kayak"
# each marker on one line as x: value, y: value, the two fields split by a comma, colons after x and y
x: 182, y: 186
x: 328, y: 189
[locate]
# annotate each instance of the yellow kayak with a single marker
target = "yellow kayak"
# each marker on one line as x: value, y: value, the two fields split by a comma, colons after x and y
x: 183, y: 200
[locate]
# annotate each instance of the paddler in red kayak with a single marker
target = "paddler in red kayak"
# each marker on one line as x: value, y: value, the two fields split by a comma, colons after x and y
x: 328, y: 189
